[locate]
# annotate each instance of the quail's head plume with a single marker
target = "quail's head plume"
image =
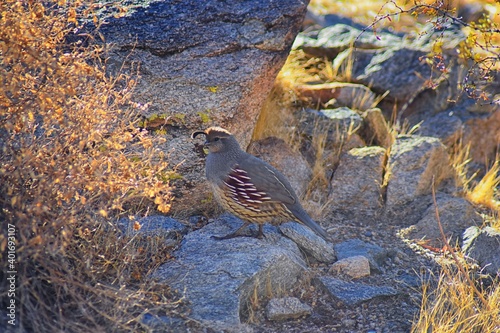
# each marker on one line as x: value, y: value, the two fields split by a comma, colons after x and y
x: 248, y: 187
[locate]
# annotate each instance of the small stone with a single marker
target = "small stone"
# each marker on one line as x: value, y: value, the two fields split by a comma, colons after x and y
x: 286, y: 308
x: 351, y: 293
x: 355, y: 267
x: 349, y: 323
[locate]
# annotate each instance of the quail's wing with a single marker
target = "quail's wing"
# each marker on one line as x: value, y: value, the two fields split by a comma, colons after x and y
x: 258, y: 180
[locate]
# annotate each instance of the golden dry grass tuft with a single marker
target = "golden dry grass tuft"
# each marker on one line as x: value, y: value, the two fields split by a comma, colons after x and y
x: 73, y: 160
x: 452, y: 306
x: 485, y: 192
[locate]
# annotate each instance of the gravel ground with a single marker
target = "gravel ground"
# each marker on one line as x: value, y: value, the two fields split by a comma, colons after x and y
x: 403, y: 271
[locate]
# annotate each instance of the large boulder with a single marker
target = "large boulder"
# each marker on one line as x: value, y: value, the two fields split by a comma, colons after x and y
x: 357, y: 181
x: 415, y: 164
x: 202, y: 63
x: 219, y: 277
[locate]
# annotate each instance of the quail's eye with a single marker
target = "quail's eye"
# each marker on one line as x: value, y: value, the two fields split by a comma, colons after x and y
x: 216, y: 139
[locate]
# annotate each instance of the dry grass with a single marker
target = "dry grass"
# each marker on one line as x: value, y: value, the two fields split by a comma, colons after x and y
x: 73, y: 160
x: 485, y: 192
x: 452, y: 306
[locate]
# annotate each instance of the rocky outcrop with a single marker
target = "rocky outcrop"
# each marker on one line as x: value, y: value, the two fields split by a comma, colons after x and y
x: 220, y: 73
x: 218, y: 278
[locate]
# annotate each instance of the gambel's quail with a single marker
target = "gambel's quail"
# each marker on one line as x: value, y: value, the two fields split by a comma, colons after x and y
x: 248, y: 187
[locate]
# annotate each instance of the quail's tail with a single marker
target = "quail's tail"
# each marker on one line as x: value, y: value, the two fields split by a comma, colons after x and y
x: 306, y: 220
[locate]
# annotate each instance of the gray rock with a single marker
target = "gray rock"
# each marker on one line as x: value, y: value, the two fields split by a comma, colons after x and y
x: 202, y: 64
x: 443, y: 97
x: 335, y: 122
x: 483, y: 246
x: 444, y: 125
x: 376, y: 255
x: 154, y: 225
x: 356, y: 183
x: 164, y: 324
x: 401, y: 71
x: 330, y: 41
x: 455, y: 214
x: 286, y: 308
x: 308, y: 241
x: 323, y: 21
x: 218, y: 277
x: 414, y: 163
x: 352, y: 293
x: 355, y: 267
x: 290, y: 162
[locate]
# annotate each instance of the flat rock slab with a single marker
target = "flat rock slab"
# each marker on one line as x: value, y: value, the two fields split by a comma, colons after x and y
x: 351, y: 293
x: 218, y: 277
x: 332, y: 40
x: 355, y: 247
x: 354, y: 96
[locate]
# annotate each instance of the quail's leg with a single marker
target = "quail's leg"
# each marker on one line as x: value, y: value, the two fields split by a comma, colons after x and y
x: 234, y: 234
x: 260, y: 235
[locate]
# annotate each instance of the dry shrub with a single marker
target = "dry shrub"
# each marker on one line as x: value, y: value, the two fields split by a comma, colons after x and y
x: 72, y: 160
